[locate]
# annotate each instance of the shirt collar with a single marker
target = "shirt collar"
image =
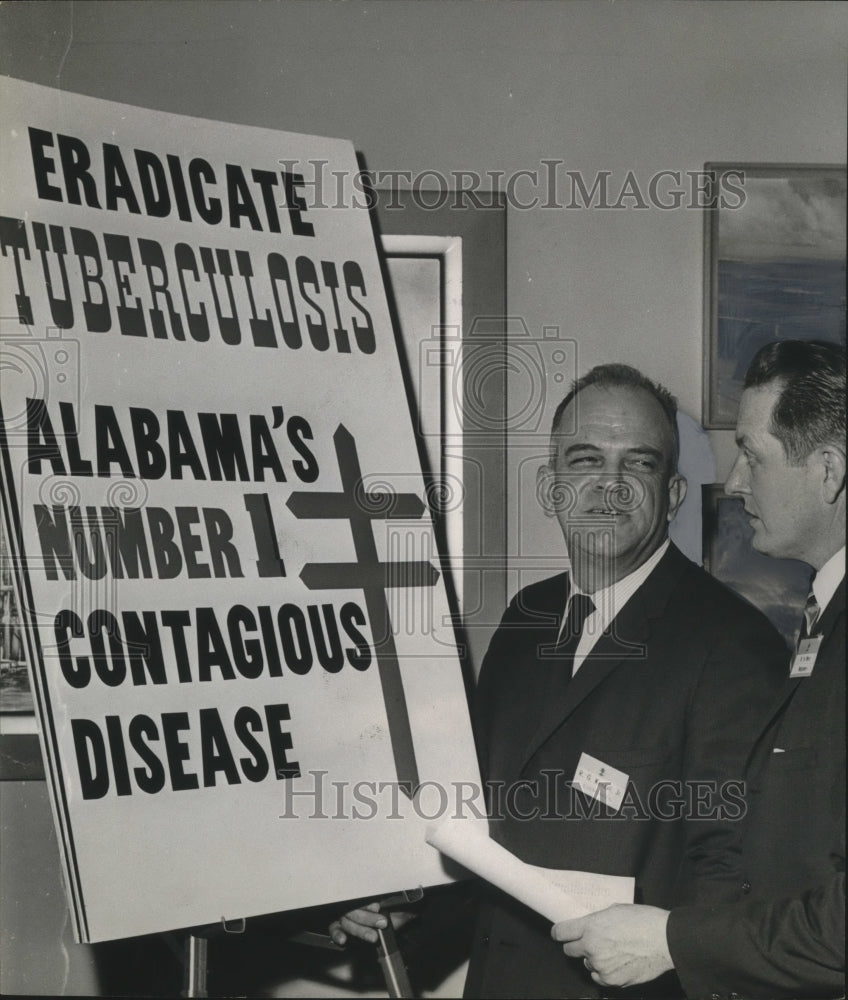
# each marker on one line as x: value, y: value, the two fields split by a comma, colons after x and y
x: 610, y: 600
x: 828, y: 578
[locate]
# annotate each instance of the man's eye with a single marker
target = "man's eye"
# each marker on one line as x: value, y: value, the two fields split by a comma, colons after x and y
x: 583, y: 461
x: 643, y: 464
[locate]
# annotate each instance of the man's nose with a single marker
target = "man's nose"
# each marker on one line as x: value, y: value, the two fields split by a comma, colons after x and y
x: 609, y: 477
x: 620, y: 489
x: 736, y: 483
x: 608, y: 484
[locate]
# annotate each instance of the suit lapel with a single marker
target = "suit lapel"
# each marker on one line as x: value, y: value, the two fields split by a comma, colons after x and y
x: 624, y: 641
x: 834, y: 610
x: 536, y: 668
x: 826, y: 626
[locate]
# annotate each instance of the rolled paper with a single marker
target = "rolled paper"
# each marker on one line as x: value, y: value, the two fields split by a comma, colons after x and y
x: 469, y: 843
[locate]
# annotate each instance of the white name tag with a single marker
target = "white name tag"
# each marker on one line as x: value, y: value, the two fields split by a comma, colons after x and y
x: 805, y: 657
x: 600, y: 781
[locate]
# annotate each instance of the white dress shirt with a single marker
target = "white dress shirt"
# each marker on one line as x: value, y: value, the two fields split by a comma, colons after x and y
x: 608, y: 602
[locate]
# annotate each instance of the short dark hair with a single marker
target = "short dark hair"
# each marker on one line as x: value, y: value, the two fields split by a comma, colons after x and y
x: 810, y: 410
x: 616, y: 376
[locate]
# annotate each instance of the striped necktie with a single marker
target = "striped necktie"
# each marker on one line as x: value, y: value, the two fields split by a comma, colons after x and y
x: 811, y: 614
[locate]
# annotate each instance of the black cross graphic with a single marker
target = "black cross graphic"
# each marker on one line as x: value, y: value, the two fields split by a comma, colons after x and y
x: 373, y: 577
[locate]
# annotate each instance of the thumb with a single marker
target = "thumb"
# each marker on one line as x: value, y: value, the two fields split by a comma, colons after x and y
x: 568, y: 930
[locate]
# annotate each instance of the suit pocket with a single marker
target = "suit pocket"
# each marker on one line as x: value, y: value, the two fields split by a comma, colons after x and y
x: 795, y: 759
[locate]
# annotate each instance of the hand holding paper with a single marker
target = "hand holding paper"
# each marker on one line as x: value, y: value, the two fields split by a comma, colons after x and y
x: 621, y: 946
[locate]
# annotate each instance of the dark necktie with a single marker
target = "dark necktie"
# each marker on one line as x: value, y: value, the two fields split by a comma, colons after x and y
x: 579, y: 609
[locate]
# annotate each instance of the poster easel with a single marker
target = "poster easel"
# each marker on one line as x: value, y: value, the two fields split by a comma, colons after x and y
x: 188, y: 486
x: 195, y: 954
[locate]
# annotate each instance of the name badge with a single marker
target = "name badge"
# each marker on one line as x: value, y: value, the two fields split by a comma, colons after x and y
x: 600, y: 781
x: 805, y: 657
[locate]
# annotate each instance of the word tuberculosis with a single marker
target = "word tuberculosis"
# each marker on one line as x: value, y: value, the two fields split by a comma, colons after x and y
x: 150, y: 289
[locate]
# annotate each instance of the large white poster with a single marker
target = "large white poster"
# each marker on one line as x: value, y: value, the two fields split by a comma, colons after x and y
x: 247, y: 688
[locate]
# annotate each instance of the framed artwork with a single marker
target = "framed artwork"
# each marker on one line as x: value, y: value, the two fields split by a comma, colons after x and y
x: 778, y: 587
x: 774, y: 269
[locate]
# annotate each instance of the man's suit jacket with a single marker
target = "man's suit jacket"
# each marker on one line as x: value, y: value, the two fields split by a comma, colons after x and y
x: 787, y: 937
x: 674, y: 692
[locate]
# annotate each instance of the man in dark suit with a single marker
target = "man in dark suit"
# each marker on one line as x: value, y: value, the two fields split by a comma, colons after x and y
x: 619, y: 747
x: 615, y: 701
x: 785, y: 936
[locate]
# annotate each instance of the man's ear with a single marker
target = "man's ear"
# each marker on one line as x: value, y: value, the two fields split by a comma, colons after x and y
x: 676, y: 494
x: 545, y: 484
x: 832, y: 458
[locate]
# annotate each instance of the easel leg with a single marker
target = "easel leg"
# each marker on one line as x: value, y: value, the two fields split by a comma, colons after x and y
x: 195, y: 966
x: 392, y: 964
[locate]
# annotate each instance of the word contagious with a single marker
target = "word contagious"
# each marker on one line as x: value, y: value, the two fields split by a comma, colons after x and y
x: 197, y: 646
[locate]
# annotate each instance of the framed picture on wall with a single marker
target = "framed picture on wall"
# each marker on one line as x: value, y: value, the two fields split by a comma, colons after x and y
x: 774, y: 268
x: 778, y: 587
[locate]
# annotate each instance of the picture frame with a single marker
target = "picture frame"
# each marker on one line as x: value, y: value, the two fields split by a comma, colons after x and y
x: 425, y: 277
x: 778, y: 587
x: 468, y: 242
x: 774, y: 268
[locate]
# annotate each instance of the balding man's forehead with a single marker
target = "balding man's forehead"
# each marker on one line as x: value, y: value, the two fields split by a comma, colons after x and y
x: 617, y: 411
